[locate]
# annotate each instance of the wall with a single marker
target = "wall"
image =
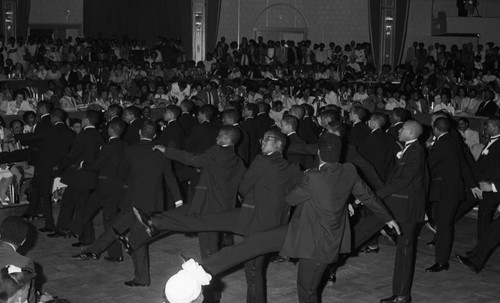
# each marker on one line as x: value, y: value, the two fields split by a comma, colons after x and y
x: 339, y: 21
x: 419, y: 23
x: 53, y: 12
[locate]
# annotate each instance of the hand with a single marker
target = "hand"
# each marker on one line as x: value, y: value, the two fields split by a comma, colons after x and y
x: 477, y: 193
x: 160, y: 148
x: 485, y: 186
x: 394, y: 225
x: 351, y: 210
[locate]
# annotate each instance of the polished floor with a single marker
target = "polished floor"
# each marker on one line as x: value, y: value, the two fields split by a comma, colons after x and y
x: 365, y: 278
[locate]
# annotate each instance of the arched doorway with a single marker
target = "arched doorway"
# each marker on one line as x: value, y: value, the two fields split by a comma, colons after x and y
x: 281, y: 21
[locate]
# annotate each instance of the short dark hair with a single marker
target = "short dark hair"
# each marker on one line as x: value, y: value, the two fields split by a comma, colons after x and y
x: 465, y: 120
x: 232, y: 114
x: 264, y: 107
x: 208, y: 110
x: 330, y: 147
x: 278, y: 135
x: 11, y: 123
x: 135, y: 111
x: 252, y: 107
x: 59, y: 114
x: 93, y: 116
x: 117, y: 126
x: 27, y: 114
x: 74, y: 121
x: 291, y: 120
x: 115, y: 109
x: 174, y: 109
x: 495, y: 120
x: 148, y: 130
x: 330, y: 115
x: 46, y: 105
x: 361, y: 112
x: 187, y: 105
x: 10, y: 284
x: 308, y: 109
x: 380, y: 119
x: 232, y: 132
x: 13, y: 230
x: 401, y: 113
x: 442, y: 124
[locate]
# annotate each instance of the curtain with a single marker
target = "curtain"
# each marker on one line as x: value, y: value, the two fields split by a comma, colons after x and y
x: 141, y: 19
x: 402, y: 10
x: 375, y: 22
x: 212, y: 26
x: 23, y: 16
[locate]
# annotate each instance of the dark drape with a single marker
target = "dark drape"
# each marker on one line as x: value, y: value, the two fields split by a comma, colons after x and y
x: 212, y: 25
x: 23, y: 16
x: 402, y: 13
x: 402, y: 8
x: 140, y: 19
x: 375, y: 18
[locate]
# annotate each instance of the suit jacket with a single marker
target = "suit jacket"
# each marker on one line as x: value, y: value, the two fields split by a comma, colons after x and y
x: 263, y: 190
x: 243, y: 146
x: 221, y: 173
x: 252, y: 128
x: 104, y: 129
x: 293, y: 140
x: 379, y: 148
x: 358, y: 133
x: 70, y: 79
x: 445, y: 167
x: 412, y: 105
x: 487, y: 167
x: 201, y: 138
x: 131, y: 135
x: 319, y: 228
x: 264, y: 123
x: 8, y: 256
x: 106, y: 165
x: 41, y: 127
x: 393, y: 130
x: 187, y: 122
x: 487, y: 109
x: 173, y: 135
x: 85, y: 147
x: 405, y: 190
x: 143, y: 170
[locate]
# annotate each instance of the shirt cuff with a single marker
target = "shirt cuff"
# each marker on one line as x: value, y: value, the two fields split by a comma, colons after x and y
x: 178, y: 203
x: 81, y: 165
x: 493, y: 188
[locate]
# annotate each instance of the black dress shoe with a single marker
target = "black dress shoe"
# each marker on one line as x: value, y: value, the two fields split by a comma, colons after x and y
x: 123, y: 240
x: 146, y: 221
x: 467, y: 262
x: 278, y: 259
x: 84, y: 256
x: 438, y: 267
x: 133, y: 283
x: 47, y: 230
x: 369, y: 250
x: 28, y: 217
x: 397, y: 299
x: 332, y: 277
x: 57, y: 234
x: 113, y: 259
x: 431, y: 243
x: 390, y: 234
x: 78, y: 244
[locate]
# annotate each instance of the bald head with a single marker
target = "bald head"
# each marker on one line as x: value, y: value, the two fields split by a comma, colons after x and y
x: 411, y: 130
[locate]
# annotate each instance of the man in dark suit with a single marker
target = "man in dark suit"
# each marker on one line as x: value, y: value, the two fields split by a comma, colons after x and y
x: 232, y: 117
x: 404, y: 193
x: 489, y: 176
x: 304, y: 130
x: 250, y: 111
x: 109, y: 189
x: 263, y: 188
x: 359, y: 130
x: 54, y: 143
x: 308, y: 123
x: 143, y: 171
x: 80, y: 183
x: 13, y: 233
x: 133, y: 117
x: 488, y: 107
x: 485, y: 170
x: 216, y: 191
x: 186, y: 118
x: 173, y: 135
x: 263, y: 120
x: 203, y: 135
x: 70, y: 76
x: 447, y: 189
x: 379, y: 148
x: 398, y: 117
x: 289, y: 127
x: 114, y: 112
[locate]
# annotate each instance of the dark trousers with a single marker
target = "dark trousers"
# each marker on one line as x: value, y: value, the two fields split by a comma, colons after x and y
x: 255, y: 274
x: 404, y: 265
x: 487, y: 245
x: 72, y: 204
x: 41, y: 189
x: 125, y: 220
x: 487, y: 208
x: 309, y: 277
x: 209, y: 245
x: 364, y: 230
x: 107, y: 200
x: 444, y: 216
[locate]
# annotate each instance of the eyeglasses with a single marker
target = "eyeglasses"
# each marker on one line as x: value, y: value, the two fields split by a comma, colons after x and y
x: 267, y: 138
